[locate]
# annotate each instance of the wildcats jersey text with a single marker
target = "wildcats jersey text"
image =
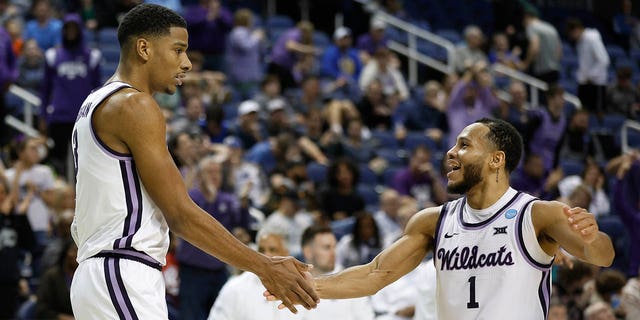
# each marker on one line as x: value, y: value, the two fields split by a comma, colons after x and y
x: 489, y: 262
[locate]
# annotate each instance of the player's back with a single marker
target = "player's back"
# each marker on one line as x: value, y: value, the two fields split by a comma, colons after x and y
x: 489, y: 263
x: 114, y: 213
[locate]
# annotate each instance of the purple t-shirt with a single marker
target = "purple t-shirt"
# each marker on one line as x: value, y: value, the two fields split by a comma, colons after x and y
x: 279, y: 54
x: 226, y: 209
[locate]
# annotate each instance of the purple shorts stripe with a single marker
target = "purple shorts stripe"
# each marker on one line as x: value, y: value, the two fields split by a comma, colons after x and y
x: 131, y: 312
x: 114, y: 291
x: 131, y: 254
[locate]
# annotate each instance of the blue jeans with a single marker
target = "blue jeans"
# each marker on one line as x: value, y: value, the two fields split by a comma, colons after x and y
x: 199, y: 289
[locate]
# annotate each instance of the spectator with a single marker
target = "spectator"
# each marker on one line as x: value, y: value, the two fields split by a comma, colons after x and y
x: 622, y: 96
x: 16, y: 237
x: 319, y: 249
x: 577, y: 144
x: 362, y: 244
x: 8, y: 73
x: 594, y: 179
x: 244, y: 55
x: 515, y: 111
x: 202, y: 276
x: 54, y: 300
x: 243, y: 176
x: 387, y: 216
x: 215, y: 127
x: 246, y: 289
x: 189, y: 119
x: 289, y: 219
x: 44, y: 28
x: 288, y: 48
x: 381, y: 69
x: 34, y: 181
x: 278, y: 117
x: 593, y: 63
x: 183, y: 151
x: 501, y: 52
x: 339, y: 199
x: 430, y: 116
x: 532, y: 178
x: 546, y: 127
x: 341, y: 60
x: 471, y: 99
x: 375, y: 107
x: 31, y: 67
x: 248, y: 128
x: 356, y: 147
x: 208, y: 24
x: 608, y: 285
x: 557, y: 310
x: 89, y: 15
x: 72, y: 71
x: 270, y: 89
x: 15, y: 29
x: 420, y: 179
x: 626, y: 203
x: 375, y: 39
x: 631, y: 299
x: 61, y: 235
x: 544, y: 49
x: 311, y: 96
x: 626, y: 26
x: 599, y: 311
x: 470, y: 53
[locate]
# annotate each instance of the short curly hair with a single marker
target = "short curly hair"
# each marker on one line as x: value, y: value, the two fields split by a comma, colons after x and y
x: 505, y: 138
x: 148, y: 20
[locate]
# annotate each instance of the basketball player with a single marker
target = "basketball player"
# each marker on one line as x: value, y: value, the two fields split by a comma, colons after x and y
x: 129, y: 192
x: 493, y: 248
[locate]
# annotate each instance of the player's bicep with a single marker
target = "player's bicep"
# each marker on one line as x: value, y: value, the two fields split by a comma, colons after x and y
x: 143, y: 132
x: 549, y: 218
x: 406, y: 253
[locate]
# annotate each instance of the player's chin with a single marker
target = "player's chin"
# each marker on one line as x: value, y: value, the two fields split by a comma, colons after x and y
x: 171, y: 89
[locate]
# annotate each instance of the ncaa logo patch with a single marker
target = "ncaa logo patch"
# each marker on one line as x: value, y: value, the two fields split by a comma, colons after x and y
x: 511, y: 213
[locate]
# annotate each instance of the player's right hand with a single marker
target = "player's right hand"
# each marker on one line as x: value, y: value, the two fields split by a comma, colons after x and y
x: 285, y: 280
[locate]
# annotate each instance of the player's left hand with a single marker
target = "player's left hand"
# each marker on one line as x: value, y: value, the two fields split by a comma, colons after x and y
x: 582, y: 223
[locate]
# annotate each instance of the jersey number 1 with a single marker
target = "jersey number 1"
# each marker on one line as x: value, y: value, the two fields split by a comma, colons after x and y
x: 472, y: 304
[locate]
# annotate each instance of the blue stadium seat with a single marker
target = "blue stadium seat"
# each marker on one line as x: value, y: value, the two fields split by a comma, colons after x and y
x: 367, y: 176
x: 571, y: 167
x: 384, y: 139
x: 368, y: 194
x: 279, y: 21
x: 108, y: 36
x: 616, y: 52
x: 342, y: 227
x: 450, y: 34
x: 321, y: 39
x: 317, y: 172
x: 394, y: 156
x: 415, y: 139
x: 110, y: 53
x: 388, y: 174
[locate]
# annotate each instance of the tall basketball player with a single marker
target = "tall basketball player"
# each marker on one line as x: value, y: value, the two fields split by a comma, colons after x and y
x: 129, y: 192
x: 493, y: 248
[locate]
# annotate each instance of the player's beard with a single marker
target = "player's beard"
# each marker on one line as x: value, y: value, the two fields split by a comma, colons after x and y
x: 472, y: 176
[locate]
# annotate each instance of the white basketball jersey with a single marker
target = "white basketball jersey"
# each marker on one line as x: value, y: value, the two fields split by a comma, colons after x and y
x: 489, y: 262
x: 113, y: 210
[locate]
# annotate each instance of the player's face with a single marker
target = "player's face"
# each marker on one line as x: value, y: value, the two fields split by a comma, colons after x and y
x: 172, y: 62
x: 466, y: 160
x: 323, y: 252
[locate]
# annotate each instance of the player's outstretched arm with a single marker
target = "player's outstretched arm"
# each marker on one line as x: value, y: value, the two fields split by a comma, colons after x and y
x: 136, y: 121
x: 391, y: 264
x: 575, y: 230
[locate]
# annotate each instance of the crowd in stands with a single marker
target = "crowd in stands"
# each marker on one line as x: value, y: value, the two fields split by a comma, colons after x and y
x: 312, y: 143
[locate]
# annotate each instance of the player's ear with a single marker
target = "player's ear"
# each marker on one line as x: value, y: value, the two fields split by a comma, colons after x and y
x: 497, y: 159
x: 143, y: 49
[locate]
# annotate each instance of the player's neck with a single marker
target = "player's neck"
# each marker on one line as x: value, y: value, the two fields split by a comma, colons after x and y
x: 137, y: 79
x: 485, y: 194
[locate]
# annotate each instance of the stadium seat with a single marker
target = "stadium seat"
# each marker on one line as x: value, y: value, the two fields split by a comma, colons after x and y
x: 279, y: 21
x: 393, y: 156
x: 450, y: 34
x: 367, y: 176
x: 571, y: 167
x: 108, y: 36
x: 388, y: 174
x: 368, y: 194
x: 415, y: 139
x: 317, y: 172
x: 384, y: 139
